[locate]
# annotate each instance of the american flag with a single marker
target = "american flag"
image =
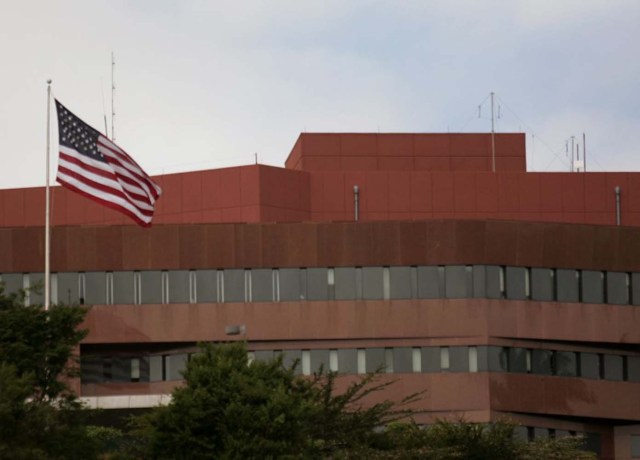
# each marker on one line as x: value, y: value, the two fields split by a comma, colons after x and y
x: 95, y: 167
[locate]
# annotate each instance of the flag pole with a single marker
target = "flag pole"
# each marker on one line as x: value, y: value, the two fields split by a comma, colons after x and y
x: 47, y: 232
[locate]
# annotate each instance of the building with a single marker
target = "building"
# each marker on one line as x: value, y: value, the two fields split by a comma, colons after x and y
x: 506, y: 293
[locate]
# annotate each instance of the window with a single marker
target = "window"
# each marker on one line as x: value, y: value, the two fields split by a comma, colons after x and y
x: 635, y: 288
x: 473, y: 359
x: 375, y: 359
x: 372, y: 283
x: 123, y: 287
x: 541, y: 362
x: 234, y: 285
x: 35, y: 294
x: 567, y: 285
x: 403, y: 360
x: 459, y: 359
x: 613, y: 367
x: 13, y: 282
x: 445, y: 359
x: 91, y: 369
x: 290, y: 357
x: 347, y: 361
x: 156, y: 371
x: 430, y: 282
x: 565, y: 363
x: 400, y: 279
x: 458, y: 282
x: 290, y: 284
x: 262, y: 285
x: 542, y: 284
x: 430, y: 359
x: 179, y: 286
x: 516, y: 283
x: 68, y: 288
x: 618, y: 288
x: 151, y: 287
x: 592, y: 286
x: 519, y: 360
x: 317, y: 284
x: 319, y: 358
x: 345, y: 283
x: 589, y: 365
x: 498, y: 359
x: 175, y: 366
x: 494, y: 282
x: 633, y: 368
x: 206, y: 286
x: 479, y: 282
x: 95, y: 288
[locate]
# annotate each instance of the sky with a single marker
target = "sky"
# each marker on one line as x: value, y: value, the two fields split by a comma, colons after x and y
x: 209, y: 84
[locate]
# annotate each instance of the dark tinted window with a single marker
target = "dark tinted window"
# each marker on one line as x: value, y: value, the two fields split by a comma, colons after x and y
x: 459, y: 359
x: 430, y: 282
x: 345, y: 283
x: 123, y: 287
x: 592, y: 286
x: 36, y: 291
x: 234, y: 285
x: 567, y: 286
x: 498, y: 359
x: 95, y: 288
x: 400, y: 280
x: 541, y: 362
x: 207, y: 286
x: 635, y: 288
x: 319, y: 358
x: 317, y: 284
x: 542, y: 284
x: 178, y: 286
x: 13, y: 282
x: 458, y: 281
x: 430, y: 359
x: 151, y: 286
x: 618, y: 288
x: 68, y: 288
x: 589, y: 365
x: 566, y: 364
x: 516, y: 278
x: 518, y: 360
x: 348, y: 361
x: 375, y: 359
x: 262, y: 285
x: 372, y: 287
x: 494, y: 282
x: 403, y: 360
x: 613, y: 367
x: 291, y: 287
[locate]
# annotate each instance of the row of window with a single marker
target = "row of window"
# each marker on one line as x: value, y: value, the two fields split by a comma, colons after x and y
x: 591, y: 443
x: 340, y: 283
x: 152, y: 368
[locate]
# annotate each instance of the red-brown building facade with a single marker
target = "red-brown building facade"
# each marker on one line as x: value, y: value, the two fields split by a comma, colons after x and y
x: 506, y: 293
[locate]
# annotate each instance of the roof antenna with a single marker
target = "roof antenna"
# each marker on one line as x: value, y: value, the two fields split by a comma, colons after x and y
x: 113, y: 97
x: 104, y: 110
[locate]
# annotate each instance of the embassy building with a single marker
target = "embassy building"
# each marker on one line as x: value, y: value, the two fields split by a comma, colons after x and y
x: 499, y: 294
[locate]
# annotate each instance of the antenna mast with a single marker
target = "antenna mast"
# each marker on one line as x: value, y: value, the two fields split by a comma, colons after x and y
x: 493, y: 140
x: 113, y: 96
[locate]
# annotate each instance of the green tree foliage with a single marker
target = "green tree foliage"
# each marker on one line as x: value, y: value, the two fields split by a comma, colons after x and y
x: 229, y: 408
x: 40, y: 417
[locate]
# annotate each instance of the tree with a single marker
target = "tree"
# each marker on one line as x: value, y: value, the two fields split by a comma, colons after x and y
x: 40, y: 417
x: 229, y: 408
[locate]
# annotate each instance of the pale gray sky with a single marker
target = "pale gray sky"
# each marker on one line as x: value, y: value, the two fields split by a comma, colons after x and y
x: 205, y: 84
